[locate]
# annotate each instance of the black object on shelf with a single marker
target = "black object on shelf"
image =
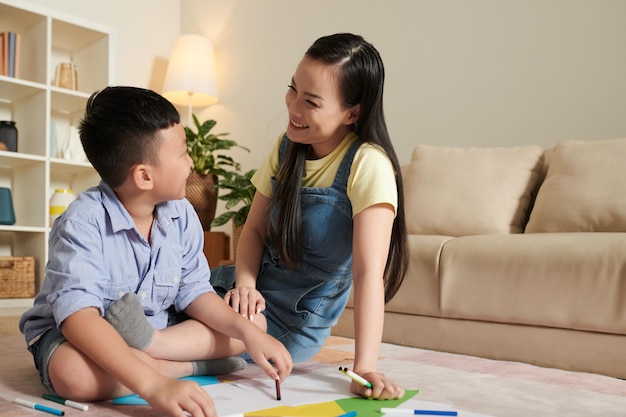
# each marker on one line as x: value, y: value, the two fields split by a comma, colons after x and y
x: 8, y: 135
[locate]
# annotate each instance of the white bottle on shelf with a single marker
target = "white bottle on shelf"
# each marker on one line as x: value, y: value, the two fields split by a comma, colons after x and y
x: 59, y: 202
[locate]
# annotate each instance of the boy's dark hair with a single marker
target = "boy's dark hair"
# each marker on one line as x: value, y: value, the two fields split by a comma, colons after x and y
x: 119, y: 129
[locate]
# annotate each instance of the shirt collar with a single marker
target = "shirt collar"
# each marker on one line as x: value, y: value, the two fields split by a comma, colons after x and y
x: 165, y: 212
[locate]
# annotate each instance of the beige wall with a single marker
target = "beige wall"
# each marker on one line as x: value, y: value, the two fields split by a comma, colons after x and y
x: 466, y: 73
x: 463, y: 73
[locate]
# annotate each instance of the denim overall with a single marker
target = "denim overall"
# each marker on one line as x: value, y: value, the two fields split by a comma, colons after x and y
x: 302, y: 305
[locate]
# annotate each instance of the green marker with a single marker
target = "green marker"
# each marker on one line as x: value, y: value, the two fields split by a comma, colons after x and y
x: 68, y: 403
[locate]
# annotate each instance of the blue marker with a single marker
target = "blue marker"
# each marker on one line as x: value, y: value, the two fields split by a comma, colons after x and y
x: 409, y: 412
x: 349, y: 414
x: 39, y: 407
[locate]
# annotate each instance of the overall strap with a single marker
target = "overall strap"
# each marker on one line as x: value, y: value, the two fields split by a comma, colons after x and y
x: 284, y: 142
x: 343, y: 173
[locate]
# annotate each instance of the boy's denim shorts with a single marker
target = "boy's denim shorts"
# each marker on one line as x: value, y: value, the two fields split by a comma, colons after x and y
x: 42, y: 351
x: 50, y: 340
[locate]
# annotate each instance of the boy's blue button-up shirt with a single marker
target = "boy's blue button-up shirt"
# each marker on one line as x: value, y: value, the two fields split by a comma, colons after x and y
x: 96, y: 255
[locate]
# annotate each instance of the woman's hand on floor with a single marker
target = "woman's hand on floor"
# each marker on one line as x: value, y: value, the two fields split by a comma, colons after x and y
x: 382, y: 387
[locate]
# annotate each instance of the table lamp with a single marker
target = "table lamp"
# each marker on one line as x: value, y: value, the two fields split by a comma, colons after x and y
x: 190, y: 78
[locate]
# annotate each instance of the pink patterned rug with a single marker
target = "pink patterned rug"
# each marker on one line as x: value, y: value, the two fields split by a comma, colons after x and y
x: 495, y: 388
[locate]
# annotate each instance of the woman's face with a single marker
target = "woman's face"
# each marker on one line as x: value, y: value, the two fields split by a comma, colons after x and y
x: 316, y: 112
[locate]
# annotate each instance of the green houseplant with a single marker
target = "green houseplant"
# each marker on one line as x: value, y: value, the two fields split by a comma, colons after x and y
x: 210, y: 163
x: 240, y: 193
x: 203, y: 147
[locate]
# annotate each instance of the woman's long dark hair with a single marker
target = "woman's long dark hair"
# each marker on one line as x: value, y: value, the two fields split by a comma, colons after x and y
x: 361, y: 76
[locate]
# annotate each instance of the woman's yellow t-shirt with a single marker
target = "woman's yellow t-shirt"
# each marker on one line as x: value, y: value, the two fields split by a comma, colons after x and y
x: 372, y: 178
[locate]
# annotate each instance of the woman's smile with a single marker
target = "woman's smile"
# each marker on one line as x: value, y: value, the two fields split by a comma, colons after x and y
x: 298, y: 125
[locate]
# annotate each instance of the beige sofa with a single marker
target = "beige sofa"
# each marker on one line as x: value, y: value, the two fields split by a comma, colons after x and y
x: 516, y: 254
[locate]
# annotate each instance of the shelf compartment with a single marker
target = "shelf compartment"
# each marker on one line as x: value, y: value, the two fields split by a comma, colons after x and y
x: 87, y: 48
x: 26, y: 243
x: 27, y: 181
x: 32, y: 29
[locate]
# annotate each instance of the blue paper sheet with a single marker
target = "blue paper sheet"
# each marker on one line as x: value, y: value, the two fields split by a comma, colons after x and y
x: 137, y: 400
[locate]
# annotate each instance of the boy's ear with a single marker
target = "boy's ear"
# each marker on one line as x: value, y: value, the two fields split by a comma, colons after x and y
x: 353, y: 114
x: 141, y: 176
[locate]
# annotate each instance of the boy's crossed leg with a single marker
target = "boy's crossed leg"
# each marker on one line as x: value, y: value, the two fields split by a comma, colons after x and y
x: 126, y: 315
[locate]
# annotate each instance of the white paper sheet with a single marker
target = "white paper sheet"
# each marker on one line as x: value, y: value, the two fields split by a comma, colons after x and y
x: 251, y: 395
x: 296, y: 390
x: 229, y: 399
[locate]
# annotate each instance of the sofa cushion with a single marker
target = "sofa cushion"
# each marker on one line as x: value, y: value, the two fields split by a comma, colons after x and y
x: 468, y: 191
x: 562, y: 280
x: 583, y: 190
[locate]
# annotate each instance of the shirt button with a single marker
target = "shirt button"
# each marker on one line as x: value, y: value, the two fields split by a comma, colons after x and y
x: 143, y: 295
x: 175, y: 280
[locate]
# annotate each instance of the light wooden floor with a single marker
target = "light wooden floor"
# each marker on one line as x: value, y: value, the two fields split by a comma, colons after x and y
x: 8, y: 321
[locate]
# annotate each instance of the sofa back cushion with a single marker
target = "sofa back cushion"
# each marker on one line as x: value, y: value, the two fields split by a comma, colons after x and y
x: 454, y: 191
x: 584, y: 189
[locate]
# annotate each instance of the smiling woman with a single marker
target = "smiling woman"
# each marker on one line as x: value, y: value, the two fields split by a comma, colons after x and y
x: 333, y: 176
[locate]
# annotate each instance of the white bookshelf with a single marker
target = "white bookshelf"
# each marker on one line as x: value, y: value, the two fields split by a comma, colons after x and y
x: 36, y: 105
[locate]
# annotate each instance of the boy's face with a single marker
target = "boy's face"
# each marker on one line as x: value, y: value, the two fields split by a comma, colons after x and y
x: 173, y: 164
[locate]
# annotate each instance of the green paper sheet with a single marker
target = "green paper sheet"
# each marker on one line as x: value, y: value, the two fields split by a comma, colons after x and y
x: 371, y: 408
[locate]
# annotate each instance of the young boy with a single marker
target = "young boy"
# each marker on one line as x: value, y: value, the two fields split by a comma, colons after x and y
x: 126, y: 304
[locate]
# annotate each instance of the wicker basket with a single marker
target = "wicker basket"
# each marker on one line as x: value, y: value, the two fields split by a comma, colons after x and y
x: 17, y: 276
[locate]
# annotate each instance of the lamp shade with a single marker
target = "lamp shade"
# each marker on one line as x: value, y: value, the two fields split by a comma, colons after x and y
x: 190, y: 78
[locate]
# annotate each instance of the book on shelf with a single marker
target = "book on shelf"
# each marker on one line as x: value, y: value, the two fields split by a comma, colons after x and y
x: 18, y: 41
x: 10, y: 54
x: 2, y: 53
x: 5, y: 54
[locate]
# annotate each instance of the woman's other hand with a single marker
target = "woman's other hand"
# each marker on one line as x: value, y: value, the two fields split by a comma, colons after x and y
x: 245, y: 300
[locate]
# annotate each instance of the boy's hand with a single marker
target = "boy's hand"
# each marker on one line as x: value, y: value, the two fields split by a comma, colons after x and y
x: 175, y: 397
x: 261, y: 347
x: 245, y: 300
x: 382, y: 387
x: 264, y: 348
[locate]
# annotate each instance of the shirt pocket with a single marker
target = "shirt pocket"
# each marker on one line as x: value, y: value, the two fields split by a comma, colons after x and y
x: 166, y: 284
x: 113, y: 291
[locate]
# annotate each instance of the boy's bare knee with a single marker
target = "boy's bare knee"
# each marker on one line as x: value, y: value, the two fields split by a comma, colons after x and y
x: 75, y: 377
